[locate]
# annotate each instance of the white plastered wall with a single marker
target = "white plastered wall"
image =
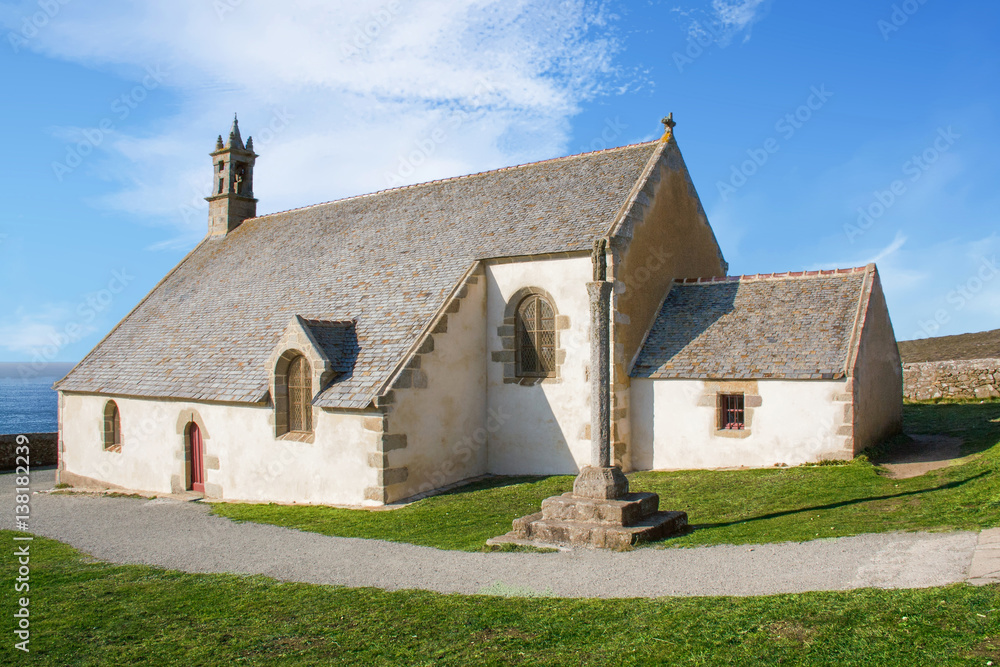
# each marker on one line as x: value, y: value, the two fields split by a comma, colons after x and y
x: 538, y: 428
x: 674, y: 426
x: 243, y: 459
x: 446, y: 421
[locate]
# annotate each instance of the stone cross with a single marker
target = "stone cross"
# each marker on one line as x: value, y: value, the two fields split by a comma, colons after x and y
x: 599, y: 258
x: 600, y: 344
x: 600, y: 479
x: 669, y: 122
x: 600, y: 395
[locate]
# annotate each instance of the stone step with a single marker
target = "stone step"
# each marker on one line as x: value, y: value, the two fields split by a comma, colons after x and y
x: 625, y: 511
x: 556, y: 532
x: 521, y: 525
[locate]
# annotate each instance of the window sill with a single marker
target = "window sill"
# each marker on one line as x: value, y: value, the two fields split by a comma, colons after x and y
x: 298, y: 436
x: 732, y: 433
x: 531, y: 381
x: 114, y: 449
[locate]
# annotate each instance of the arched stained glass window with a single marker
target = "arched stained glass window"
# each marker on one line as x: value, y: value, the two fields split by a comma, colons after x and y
x: 536, y: 338
x: 299, y: 395
x: 112, y: 427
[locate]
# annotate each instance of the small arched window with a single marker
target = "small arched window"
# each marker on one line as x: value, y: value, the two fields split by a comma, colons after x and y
x: 112, y: 427
x: 536, y: 337
x: 299, y: 395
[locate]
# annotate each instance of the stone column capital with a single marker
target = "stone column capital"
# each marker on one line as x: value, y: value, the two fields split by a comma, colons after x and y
x: 600, y: 289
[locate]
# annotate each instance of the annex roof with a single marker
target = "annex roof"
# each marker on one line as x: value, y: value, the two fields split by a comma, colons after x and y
x: 794, y: 325
x: 387, y: 260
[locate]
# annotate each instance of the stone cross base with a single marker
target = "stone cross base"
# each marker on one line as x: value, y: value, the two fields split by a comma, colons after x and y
x: 599, y: 482
x: 609, y: 523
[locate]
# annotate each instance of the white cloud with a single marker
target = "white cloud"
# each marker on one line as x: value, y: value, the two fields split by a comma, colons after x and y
x: 362, y: 87
x: 897, y: 243
x: 26, y: 335
x: 737, y: 15
x: 939, y: 289
x: 945, y: 288
x: 863, y: 260
x: 725, y: 20
x: 30, y: 333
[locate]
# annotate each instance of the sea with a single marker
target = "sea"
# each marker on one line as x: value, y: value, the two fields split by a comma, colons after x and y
x: 29, y: 404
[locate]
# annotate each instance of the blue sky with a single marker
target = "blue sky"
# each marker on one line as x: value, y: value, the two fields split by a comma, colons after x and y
x: 817, y: 134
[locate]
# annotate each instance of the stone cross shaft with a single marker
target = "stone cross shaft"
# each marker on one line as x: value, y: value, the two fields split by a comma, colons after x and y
x: 600, y: 373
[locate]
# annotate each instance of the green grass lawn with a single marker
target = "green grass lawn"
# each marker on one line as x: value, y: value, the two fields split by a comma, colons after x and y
x: 731, y: 507
x: 87, y: 613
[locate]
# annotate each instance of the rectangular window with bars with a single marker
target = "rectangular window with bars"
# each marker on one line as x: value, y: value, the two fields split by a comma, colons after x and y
x: 731, y: 412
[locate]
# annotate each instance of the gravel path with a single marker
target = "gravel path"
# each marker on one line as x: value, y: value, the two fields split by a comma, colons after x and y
x: 185, y: 536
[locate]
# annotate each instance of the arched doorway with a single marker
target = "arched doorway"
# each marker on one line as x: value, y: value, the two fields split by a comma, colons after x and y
x: 195, y: 459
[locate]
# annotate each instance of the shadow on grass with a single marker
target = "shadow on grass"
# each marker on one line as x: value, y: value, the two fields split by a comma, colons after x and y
x: 976, y: 423
x: 843, y: 503
x: 497, y: 482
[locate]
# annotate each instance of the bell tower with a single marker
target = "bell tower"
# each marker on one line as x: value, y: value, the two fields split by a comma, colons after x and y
x: 232, y: 200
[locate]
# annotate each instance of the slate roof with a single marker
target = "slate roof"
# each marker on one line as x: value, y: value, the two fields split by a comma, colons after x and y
x: 338, y: 340
x: 790, y: 325
x: 387, y: 260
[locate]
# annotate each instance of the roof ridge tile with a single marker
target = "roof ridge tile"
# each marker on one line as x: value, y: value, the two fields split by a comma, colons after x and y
x: 777, y: 275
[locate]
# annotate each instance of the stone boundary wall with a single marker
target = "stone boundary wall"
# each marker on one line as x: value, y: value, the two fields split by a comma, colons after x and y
x: 971, y: 378
x: 43, y: 449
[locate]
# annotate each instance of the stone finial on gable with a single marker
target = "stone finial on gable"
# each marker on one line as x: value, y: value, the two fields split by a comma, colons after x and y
x: 668, y: 124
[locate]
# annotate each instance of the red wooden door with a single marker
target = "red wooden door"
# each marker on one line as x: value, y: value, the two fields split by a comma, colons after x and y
x: 196, y: 455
